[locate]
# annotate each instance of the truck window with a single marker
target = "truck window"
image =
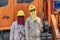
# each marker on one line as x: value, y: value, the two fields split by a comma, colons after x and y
x: 24, y: 1
x: 3, y: 3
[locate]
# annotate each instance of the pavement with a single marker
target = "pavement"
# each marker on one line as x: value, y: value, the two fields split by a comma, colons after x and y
x: 7, y: 33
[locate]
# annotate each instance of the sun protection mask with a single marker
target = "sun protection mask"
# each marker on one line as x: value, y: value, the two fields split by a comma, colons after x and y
x: 20, y: 20
x: 33, y: 15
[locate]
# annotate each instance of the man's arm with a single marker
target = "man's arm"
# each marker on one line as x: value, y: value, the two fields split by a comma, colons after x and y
x: 26, y: 30
x: 41, y: 26
x: 12, y: 32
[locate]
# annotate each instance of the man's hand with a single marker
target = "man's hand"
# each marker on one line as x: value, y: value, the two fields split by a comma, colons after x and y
x: 19, y: 31
x: 41, y: 30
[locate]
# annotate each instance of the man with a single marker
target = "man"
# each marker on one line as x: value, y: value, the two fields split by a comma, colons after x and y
x: 17, y: 27
x: 33, y: 25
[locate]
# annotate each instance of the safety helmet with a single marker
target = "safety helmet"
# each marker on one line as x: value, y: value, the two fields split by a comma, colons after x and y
x: 32, y: 7
x: 20, y: 13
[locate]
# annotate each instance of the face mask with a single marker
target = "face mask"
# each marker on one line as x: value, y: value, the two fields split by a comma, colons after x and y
x: 20, y: 20
x: 33, y: 15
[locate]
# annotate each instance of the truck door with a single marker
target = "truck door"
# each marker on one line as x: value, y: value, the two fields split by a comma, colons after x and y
x: 6, y: 13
